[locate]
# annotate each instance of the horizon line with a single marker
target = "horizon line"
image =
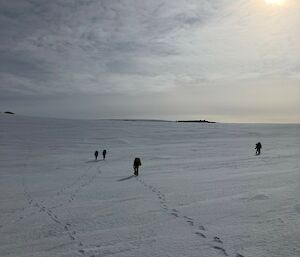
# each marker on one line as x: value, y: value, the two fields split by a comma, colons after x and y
x: 152, y: 120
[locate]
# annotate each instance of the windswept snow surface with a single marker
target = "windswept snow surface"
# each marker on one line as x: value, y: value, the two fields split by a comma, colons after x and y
x: 201, y: 190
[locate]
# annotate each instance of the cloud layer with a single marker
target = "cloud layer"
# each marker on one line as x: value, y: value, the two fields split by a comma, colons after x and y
x: 54, y: 48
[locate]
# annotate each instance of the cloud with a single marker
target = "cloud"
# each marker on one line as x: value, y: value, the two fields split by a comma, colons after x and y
x: 56, y: 48
x: 97, y: 45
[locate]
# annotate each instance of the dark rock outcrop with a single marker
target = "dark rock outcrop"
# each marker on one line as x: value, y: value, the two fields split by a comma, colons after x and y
x: 196, y: 121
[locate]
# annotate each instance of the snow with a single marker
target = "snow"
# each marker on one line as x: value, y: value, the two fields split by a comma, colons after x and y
x: 201, y: 190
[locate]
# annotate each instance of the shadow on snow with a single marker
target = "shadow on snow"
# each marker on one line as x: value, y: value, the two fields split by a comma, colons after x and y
x: 123, y: 179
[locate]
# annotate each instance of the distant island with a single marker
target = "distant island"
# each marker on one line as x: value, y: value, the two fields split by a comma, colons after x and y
x: 196, y: 121
x: 9, y: 112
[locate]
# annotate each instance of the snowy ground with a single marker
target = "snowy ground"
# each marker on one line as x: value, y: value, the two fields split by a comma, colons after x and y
x: 201, y: 191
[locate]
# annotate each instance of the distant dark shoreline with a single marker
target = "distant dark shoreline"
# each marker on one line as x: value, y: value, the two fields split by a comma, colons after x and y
x: 182, y: 121
x: 143, y: 120
x: 8, y: 112
x: 196, y: 121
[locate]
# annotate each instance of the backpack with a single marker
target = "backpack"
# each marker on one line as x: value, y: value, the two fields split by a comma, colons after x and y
x: 137, y: 162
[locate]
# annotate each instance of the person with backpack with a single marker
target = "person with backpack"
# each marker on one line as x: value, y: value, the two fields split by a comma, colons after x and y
x: 258, y: 147
x: 104, y: 154
x: 96, y: 155
x: 136, y: 164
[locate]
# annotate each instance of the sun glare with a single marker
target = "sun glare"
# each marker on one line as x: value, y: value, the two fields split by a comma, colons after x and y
x: 275, y: 2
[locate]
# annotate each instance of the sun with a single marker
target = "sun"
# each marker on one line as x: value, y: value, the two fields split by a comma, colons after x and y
x: 275, y: 2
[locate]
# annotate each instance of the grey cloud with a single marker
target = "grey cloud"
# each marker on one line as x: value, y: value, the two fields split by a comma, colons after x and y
x: 69, y: 47
x: 91, y: 37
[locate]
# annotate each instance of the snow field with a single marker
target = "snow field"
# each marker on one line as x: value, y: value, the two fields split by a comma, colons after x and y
x: 201, y: 191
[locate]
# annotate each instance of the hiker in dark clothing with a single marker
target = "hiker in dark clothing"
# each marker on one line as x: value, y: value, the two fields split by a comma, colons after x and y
x: 96, y: 155
x: 104, y: 153
x: 258, y: 147
x: 136, y: 164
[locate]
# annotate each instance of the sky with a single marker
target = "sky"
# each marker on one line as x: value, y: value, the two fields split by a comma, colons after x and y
x: 222, y: 60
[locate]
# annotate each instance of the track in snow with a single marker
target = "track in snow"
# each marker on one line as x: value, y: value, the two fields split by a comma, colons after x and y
x: 199, y: 229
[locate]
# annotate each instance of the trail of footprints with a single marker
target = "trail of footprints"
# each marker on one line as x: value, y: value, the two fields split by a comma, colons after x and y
x: 79, y: 188
x: 73, y: 193
x: 48, y: 211
x: 215, y: 242
x: 16, y: 213
x: 78, y: 179
x: 66, y: 226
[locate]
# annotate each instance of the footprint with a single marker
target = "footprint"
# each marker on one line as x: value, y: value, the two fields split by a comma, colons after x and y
x: 188, y: 218
x: 221, y: 249
x: 55, y: 220
x: 218, y: 240
x: 239, y: 255
x: 174, y: 214
x: 200, y: 234
x: 72, y: 238
x: 190, y: 222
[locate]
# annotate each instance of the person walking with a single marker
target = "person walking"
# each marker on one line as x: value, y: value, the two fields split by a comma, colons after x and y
x: 258, y: 147
x: 136, y: 164
x: 96, y: 155
x: 104, y: 154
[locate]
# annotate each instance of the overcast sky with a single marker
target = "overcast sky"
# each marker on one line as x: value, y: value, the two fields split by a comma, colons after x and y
x: 224, y: 60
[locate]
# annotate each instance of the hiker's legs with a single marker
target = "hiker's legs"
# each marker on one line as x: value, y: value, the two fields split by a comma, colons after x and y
x: 136, y: 171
